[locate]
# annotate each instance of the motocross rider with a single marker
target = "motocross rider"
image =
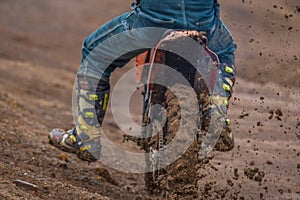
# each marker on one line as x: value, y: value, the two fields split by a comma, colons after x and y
x: 93, y: 87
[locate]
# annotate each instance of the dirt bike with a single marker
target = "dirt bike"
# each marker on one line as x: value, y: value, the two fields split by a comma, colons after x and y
x: 179, y: 89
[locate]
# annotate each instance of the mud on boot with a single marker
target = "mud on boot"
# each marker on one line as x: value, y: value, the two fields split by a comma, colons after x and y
x: 70, y: 142
x: 225, y: 141
x: 216, y: 104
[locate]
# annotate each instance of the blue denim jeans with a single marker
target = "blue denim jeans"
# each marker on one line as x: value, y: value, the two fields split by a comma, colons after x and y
x: 119, y: 40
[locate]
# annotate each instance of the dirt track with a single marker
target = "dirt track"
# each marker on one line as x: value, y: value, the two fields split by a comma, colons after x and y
x: 40, y: 45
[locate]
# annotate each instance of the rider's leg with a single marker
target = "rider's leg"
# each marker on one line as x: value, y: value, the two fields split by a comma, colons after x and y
x: 111, y: 46
x: 84, y: 139
x: 222, y: 43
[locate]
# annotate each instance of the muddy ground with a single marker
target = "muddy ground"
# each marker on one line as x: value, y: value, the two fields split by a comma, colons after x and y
x: 40, y: 43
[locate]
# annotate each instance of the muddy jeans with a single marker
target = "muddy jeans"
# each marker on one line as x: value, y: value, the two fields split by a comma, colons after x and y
x: 115, y: 43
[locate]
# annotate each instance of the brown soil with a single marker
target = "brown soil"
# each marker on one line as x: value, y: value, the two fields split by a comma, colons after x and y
x: 40, y: 53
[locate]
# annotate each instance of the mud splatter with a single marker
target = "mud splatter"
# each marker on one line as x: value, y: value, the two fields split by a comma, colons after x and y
x: 254, y: 174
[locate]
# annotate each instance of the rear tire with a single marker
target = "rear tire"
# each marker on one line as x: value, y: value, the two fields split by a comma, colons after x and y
x: 179, y: 179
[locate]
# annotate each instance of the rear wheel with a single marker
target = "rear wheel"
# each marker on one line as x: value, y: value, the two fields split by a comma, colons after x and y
x: 179, y: 178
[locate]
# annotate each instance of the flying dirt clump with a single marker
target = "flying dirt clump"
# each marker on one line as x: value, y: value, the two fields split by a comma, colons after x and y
x: 277, y: 114
x: 254, y: 174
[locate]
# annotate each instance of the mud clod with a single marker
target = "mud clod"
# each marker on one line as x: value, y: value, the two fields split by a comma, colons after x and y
x: 235, y: 173
x: 259, y: 124
x: 272, y: 114
x: 254, y: 174
x: 230, y: 183
x: 243, y: 115
x: 279, y: 113
x: 269, y: 162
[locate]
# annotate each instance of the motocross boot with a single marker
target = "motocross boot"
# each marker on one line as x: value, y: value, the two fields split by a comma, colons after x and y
x: 216, y: 104
x: 84, y: 139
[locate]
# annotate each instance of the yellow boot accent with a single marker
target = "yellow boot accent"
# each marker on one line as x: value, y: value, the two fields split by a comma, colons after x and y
x: 229, y: 69
x: 92, y: 131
